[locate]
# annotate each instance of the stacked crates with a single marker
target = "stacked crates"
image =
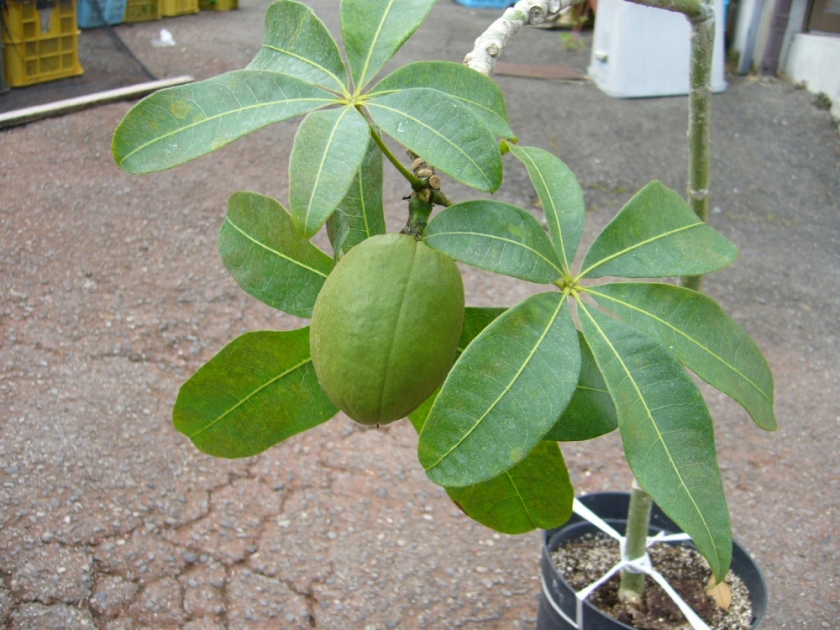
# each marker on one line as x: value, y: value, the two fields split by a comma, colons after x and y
x: 40, y: 45
x: 142, y: 10
x: 3, y: 85
x: 218, y: 5
x: 171, y: 8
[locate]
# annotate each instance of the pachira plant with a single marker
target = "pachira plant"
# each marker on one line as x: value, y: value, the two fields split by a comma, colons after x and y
x: 491, y: 391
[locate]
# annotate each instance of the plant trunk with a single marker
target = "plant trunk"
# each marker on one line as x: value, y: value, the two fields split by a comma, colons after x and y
x: 699, y: 123
x: 638, y: 522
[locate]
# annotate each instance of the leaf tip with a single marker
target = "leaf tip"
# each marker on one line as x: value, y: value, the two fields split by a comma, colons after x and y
x: 496, y: 182
x: 768, y: 422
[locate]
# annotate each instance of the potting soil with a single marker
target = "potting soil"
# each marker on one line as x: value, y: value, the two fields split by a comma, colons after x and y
x: 584, y: 561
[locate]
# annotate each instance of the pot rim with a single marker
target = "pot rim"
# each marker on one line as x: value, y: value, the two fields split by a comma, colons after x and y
x: 659, y: 522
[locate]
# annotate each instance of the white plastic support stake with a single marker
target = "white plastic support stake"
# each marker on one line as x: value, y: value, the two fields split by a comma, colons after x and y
x: 638, y: 565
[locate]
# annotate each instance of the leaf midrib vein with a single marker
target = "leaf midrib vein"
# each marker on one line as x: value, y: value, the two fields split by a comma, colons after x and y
x: 326, y: 152
x: 554, y: 214
x: 641, y: 399
x: 309, y: 61
x: 521, y: 499
x: 506, y: 388
x: 274, y: 251
x: 249, y: 396
x: 362, y: 200
x: 677, y: 330
x: 653, y: 239
x: 498, y: 238
x: 463, y: 99
x: 234, y: 112
x: 592, y: 389
x: 373, y: 43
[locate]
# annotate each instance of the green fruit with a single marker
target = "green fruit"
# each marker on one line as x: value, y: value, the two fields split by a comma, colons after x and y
x: 385, y: 327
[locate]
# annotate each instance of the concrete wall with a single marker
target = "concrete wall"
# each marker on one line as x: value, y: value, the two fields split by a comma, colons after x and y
x: 814, y: 60
x: 810, y: 59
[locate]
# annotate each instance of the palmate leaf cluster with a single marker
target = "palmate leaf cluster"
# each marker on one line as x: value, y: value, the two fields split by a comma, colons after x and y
x: 526, y: 377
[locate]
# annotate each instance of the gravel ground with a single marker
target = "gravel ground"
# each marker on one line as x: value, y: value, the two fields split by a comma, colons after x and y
x: 113, y: 294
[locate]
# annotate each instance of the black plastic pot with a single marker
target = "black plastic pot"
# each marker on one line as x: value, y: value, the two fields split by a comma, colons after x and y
x: 612, y: 507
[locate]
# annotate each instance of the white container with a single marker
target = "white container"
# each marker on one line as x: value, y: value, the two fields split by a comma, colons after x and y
x: 640, y: 51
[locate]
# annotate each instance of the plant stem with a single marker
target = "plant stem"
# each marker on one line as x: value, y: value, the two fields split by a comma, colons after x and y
x: 416, y: 182
x: 699, y: 123
x: 638, y: 522
x: 419, y: 208
x: 701, y: 16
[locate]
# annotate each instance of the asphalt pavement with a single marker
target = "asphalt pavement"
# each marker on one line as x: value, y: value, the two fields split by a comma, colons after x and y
x: 112, y: 294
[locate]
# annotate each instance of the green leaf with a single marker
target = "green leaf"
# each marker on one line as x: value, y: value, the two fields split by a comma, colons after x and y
x: 478, y: 92
x: 702, y: 336
x: 419, y: 415
x: 476, y: 319
x: 268, y: 258
x: 444, y: 131
x: 656, y: 235
x: 258, y: 391
x: 560, y: 196
x: 374, y: 30
x: 591, y: 412
x: 667, y: 432
x: 181, y: 123
x: 329, y: 147
x: 298, y: 44
x: 534, y: 494
x: 360, y: 214
x: 495, y: 236
x: 503, y: 395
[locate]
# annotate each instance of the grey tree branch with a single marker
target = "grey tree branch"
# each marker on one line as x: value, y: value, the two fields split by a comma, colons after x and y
x: 490, y: 44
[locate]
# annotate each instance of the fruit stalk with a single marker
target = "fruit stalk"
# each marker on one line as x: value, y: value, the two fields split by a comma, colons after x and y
x: 419, y: 208
x: 416, y: 182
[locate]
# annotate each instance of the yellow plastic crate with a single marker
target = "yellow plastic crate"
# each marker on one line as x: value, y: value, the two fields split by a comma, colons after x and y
x: 218, y: 5
x: 40, y: 45
x: 3, y: 86
x: 171, y: 8
x: 142, y: 10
